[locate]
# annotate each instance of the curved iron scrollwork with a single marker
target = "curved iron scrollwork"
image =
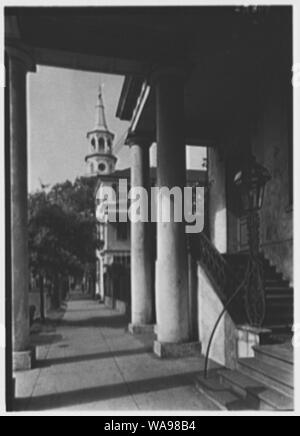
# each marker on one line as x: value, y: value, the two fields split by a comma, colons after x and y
x: 222, y: 275
x: 229, y: 302
x: 251, y: 286
x: 214, y: 263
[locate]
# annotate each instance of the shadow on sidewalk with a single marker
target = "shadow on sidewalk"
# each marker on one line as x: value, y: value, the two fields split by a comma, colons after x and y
x: 116, y: 321
x: 45, y: 339
x: 80, y: 296
x: 105, y: 393
x: 96, y: 356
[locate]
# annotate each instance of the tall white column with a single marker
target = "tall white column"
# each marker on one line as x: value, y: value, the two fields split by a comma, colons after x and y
x: 19, y: 63
x: 172, y: 294
x: 141, y: 254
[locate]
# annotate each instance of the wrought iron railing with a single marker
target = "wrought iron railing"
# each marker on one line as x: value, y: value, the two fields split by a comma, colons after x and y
x: 223, y: 277
x: 214, y: 263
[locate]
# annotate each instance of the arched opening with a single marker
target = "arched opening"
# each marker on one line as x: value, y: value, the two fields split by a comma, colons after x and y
x: 109, y: 144
x: 101, y: 143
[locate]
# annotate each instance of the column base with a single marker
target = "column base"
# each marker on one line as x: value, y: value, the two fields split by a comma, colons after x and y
x: 23, y: 360
x: 109, y: 302
x: 121, y: 307
x: 141, y: 329
x: 170, y: 350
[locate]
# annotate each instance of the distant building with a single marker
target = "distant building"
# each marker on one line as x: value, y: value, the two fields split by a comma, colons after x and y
x: 113, y: 252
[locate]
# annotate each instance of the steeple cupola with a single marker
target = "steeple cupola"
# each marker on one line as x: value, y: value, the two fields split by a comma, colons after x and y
x: 100, y: 159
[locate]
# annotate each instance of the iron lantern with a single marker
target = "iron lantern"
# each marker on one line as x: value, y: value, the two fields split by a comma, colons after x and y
x: 251, y: 182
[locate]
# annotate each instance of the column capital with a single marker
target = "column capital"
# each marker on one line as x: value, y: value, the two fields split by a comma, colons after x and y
x: 17, y: 50
x: 141, y: 139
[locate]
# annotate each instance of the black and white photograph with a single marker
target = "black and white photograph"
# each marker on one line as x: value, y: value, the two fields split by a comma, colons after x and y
x: 147, y: 211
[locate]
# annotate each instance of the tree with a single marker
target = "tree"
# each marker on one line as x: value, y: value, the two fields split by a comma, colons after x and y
x: 62, y: 233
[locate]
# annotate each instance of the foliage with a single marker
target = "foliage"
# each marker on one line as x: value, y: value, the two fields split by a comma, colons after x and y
x: 62, y: 229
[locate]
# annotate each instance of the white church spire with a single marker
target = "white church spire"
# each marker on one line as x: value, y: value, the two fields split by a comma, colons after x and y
x: 100, y: 159
x: 100, y: 121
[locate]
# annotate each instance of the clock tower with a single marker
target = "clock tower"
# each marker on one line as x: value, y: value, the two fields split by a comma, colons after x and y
x: 100, y: 159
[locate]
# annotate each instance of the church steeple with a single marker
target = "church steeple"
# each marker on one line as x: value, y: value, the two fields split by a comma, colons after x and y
x: 100, y: 159
x: 100, y: 121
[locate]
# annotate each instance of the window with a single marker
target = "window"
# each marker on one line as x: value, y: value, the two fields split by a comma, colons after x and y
x: 122, y: 231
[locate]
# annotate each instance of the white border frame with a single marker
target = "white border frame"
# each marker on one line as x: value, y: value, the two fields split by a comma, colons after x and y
x: 296, y: 5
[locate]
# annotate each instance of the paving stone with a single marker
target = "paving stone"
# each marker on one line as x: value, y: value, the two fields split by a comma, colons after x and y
x: 94, y: 364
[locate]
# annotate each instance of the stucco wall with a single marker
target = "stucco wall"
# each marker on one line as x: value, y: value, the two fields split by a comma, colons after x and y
x: 210, y: 306
x: 271, y: 148
x: 270, y: 141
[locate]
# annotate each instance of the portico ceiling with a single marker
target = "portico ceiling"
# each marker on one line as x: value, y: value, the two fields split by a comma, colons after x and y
x: 226, y: 49
x: 143, y: 35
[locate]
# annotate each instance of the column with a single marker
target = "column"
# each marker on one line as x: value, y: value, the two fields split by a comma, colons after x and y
x: 19, y: 63
x: 101, y: 283
x: 141, y: 253
x: 172, y: 293
x: 97, y: 284
x: 193, y: 297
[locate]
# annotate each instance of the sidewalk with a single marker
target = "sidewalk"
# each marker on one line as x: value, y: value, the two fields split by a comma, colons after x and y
x: 90, y: 363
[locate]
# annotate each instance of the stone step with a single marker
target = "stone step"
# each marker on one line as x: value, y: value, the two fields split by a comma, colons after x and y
x: 279, y: 328
x: 280, y: 305
x: 272, y: 275
x: 280, y: 337
x: 276, y: 355
x: 220, y: 394
x: 275, y: 282
x: 278, y: 289
x: 288, y: 298
x: 261, y: 397
x: 269, y: 375
x: 279, y: 313
x: 277, y: 321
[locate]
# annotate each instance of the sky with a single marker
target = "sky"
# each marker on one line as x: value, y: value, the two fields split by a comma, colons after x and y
x: 61, y: 109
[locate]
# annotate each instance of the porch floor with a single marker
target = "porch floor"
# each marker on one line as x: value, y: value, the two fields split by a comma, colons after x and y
x: 87, y: 361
